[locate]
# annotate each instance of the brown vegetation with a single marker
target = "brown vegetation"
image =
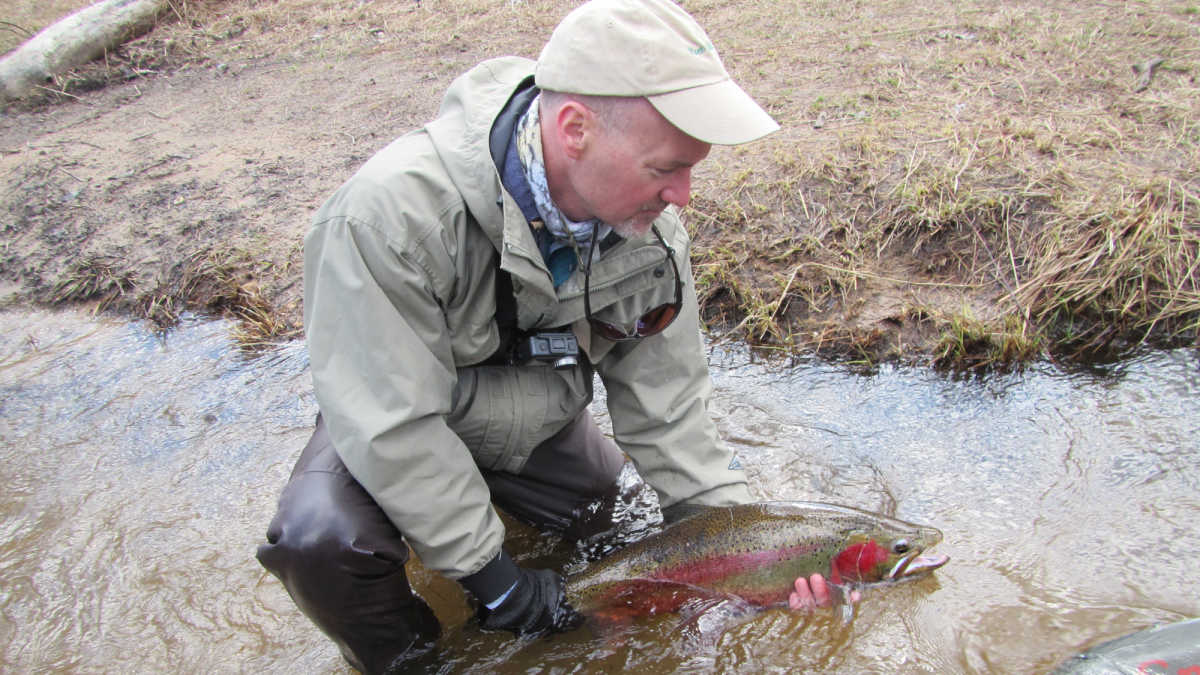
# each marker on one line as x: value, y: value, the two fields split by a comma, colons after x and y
x: 967, y: 184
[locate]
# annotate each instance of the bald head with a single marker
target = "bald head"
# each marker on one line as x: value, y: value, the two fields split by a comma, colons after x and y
x: 613, y: 113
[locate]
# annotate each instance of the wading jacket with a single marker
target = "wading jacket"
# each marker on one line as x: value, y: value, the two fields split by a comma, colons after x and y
x: 400, y: 306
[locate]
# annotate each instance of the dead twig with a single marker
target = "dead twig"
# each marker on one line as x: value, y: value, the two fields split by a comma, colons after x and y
x: 20, y: 30
x: 1146, y: 70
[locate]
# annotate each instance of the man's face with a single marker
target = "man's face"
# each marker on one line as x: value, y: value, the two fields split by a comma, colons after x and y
x: 632, y: 172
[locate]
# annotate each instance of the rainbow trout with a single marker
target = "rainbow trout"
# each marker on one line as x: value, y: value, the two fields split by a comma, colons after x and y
x: 752, y: 552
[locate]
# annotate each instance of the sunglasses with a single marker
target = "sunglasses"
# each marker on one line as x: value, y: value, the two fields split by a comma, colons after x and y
x: 652, y: 322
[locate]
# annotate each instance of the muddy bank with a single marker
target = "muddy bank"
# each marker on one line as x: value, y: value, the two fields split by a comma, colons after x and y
x: 995, y: 186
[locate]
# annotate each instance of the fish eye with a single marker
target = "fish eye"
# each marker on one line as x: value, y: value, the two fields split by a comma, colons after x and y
x: 900, y: 546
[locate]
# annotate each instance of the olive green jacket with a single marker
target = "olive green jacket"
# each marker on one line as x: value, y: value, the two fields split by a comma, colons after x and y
x: 400, y: 304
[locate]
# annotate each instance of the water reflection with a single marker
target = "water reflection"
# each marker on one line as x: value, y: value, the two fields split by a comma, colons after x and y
x: 140, y: 471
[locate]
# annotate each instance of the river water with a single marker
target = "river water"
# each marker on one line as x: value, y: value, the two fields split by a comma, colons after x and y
x: 139, y: 472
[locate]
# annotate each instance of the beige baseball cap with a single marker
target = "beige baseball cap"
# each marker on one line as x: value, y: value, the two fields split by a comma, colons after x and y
x: 653, y: 49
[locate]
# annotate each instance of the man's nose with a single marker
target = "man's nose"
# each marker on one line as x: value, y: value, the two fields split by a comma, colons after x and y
x: 679, y: 190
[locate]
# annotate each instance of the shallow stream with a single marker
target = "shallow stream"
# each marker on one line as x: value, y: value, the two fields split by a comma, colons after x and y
x: 139, y: 472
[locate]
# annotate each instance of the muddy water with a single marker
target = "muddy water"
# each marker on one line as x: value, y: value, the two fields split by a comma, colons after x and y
x: 139, y: 473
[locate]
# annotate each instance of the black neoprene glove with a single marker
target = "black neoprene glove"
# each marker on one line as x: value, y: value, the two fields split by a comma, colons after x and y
x: 537, y: 604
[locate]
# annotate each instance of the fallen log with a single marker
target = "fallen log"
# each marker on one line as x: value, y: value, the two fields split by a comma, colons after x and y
x: 73, y: 41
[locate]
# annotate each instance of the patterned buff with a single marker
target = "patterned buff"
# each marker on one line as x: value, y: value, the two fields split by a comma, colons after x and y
x: 569, y: 235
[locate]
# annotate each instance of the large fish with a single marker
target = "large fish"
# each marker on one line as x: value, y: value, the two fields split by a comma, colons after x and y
x: 1171, y: 648
x: 752, y: 553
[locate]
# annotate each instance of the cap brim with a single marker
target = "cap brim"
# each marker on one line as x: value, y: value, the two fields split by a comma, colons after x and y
x: 720, y: 113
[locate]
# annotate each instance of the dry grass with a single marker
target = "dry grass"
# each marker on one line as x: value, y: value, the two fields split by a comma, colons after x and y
x: 100, y: 280
x: 220, y: 283
x: 214, y: 281
x: 1017, y: 173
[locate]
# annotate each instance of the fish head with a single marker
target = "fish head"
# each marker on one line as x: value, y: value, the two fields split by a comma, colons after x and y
x: 886, y: 551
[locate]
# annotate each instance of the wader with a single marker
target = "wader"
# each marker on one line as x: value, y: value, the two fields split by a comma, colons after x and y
x: 342, y: 560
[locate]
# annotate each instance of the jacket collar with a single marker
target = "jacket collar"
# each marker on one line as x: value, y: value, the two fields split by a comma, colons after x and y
x: 477, y: 105
x: 462, y: 135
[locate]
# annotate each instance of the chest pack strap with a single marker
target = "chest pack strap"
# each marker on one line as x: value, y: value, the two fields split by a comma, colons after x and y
x: 506, y: 317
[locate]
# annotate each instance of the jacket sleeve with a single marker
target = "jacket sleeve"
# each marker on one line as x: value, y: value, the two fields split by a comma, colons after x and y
x: 384, y: 378
x: 658, y: 393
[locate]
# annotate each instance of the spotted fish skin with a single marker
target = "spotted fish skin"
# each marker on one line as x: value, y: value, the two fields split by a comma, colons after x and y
x: 753, y: 552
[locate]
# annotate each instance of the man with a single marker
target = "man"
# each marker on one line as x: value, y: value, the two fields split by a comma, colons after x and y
x: 461, y: 291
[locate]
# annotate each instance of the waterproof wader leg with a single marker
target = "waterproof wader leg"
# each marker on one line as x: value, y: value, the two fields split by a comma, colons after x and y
x: 563, y: 475
x: 342, y: 561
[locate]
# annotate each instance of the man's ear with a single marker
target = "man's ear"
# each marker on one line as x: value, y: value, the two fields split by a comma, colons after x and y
x: 575, y: 125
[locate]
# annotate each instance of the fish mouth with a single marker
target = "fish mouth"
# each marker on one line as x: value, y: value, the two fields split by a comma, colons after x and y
x: 912, y: 565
